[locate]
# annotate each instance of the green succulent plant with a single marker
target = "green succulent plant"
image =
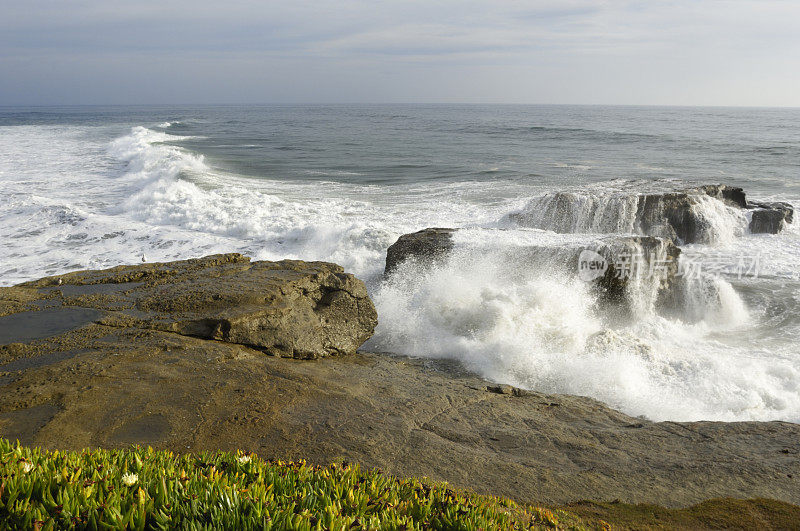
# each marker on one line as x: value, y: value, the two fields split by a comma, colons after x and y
x: 140, y: 488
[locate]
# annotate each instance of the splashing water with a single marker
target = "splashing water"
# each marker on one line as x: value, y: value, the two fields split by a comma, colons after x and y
x: 587, y: 211
x: 546, y: 330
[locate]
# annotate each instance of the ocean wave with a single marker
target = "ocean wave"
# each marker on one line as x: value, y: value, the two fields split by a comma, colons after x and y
x: 333, y: 173
x: 559, y: 132
x: 173, y: 187
x: 149, y: 156
x: 540, y: 328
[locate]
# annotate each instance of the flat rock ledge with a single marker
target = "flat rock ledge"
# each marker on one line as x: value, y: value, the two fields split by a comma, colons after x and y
x: 289, y: 308
x: 95, y: 361
x: 110, y: 387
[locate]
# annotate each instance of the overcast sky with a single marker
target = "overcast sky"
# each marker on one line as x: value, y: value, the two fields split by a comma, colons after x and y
x: 682, y: 52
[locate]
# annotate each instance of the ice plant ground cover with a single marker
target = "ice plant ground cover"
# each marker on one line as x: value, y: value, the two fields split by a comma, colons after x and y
x: 140, y: 488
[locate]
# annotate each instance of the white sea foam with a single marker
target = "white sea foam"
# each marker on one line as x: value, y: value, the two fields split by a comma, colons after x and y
x: 580, y: 212
x: 544, y: 330
x: 149, y: 157
x: 721, y: 223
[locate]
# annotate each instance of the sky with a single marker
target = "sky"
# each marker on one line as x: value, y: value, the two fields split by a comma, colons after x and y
x: 680, y: 52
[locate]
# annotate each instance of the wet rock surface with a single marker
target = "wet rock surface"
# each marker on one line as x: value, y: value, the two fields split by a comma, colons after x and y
x: 770, y: 218
x: 288, y: 308
x: 636, y: 256
x: 730, y: 194
x: 428, y: 245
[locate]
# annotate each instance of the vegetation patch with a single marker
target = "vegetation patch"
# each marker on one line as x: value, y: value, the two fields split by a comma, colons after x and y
x: 141, y: 488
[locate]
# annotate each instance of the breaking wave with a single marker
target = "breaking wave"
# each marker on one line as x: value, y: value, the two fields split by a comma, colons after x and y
x: 542, y: 328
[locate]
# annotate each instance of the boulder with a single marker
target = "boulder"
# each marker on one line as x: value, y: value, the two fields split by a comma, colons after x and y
x: 770, y: 217
x: 289, y: 308
x: 427, y: 244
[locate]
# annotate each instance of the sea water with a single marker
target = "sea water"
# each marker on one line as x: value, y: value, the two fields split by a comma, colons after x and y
x: 94, y: 187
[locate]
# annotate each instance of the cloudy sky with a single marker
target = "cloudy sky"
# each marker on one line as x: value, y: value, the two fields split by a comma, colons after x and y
x: 680, y: 52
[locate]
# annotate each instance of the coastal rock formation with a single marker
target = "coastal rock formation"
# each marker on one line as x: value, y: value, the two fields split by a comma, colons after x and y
x: 730, y: 194
x: 289, y: 308
x: 92, y: 359
x: 615, y: 260
x: 770, y: 217
x: 632, y: 258
x: 427, y: 244
x: 693, y: 215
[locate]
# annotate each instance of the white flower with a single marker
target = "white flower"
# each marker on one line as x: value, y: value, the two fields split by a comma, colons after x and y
x: 26, y: 466
x: 129, y: 479
x: 243, y: 459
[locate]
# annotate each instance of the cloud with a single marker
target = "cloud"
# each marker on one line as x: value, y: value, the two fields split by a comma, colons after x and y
x: 648, y: 46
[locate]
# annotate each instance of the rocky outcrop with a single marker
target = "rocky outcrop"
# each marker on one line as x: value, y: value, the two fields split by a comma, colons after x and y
x: 631, y: 258
x: 678, y: 215
x: 770, y: 218
x: 730, y: 194
x: 692, y: 215
x: 289, y: 308
x: 610, y: 263
x: 427, y: 244
x: 671, y: 216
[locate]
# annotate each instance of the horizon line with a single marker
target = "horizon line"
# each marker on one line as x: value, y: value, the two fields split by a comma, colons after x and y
x: 387, y: 103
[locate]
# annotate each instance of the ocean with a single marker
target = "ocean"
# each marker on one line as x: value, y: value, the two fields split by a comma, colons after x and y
x: 95, y: 187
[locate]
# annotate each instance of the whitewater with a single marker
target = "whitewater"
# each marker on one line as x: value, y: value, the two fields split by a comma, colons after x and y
x: 93, y: 189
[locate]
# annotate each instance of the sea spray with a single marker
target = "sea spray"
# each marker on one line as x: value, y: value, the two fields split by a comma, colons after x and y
x: 530, y: 324
x: 688, y: 215
x: 720, y: 223
x: 708, y: 298
x: 476, y: 309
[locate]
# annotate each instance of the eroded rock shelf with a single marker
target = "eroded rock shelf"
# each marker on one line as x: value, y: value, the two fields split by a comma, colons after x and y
x: 156, y: 366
